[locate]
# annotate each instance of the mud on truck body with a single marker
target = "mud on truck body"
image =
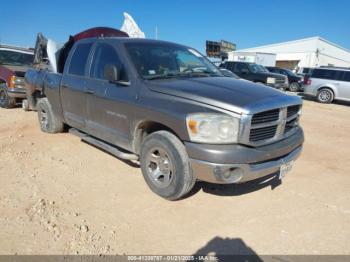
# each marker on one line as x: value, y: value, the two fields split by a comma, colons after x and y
x: 168, y: 107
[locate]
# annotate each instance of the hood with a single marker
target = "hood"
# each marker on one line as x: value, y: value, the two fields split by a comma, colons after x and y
x: 227, y: 93
x: 18, y: 70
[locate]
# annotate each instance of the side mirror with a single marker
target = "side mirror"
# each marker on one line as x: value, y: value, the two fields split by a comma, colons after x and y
x: 244, y: 71
x: 112, y: 73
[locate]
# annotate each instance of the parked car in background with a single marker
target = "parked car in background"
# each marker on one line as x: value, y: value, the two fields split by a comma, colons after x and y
x: 167, y: 106
x: 328, y: 84
x: 302, y: 71
x: 295, y: 82
x: 14, y: 62
x: 256, y: 73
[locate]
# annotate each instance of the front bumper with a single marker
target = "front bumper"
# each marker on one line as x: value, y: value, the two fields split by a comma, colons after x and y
x: 213, y: 163
x: 16, y: 92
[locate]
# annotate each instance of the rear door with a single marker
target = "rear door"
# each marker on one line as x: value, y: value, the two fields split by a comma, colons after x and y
x: 344, y: 87
x: 73, y: 86
x: 109, y: 104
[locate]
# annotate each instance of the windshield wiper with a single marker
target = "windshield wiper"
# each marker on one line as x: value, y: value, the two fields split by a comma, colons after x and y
x: 189, y: 74
x: 202, y: 73
x: 165, y: 76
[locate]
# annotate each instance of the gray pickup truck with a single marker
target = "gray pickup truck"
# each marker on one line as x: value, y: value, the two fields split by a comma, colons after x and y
x: 168, y: 107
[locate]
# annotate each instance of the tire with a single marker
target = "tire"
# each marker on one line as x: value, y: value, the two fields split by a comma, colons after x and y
x: 325, y: 96
x: 5, y: 100
x: 48, y: 121
x: 165, y: 165
x: 294, y: 87
x: 25, y: 105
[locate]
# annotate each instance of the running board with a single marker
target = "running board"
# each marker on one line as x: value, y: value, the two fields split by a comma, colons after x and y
x: 103, y: 145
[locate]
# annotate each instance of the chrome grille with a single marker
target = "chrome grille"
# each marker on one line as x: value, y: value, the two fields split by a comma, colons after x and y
x: 267, y: 116
x: 280, y: 80
x: 292, y: 110
x: 290, y: 125
x: 272, y: 125
x: 262, y: 133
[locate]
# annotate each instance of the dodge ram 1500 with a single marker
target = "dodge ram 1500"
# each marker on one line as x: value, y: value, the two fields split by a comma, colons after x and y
x: 167, y: 106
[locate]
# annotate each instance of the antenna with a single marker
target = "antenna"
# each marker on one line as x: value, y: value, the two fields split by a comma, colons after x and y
x: 156, y: 32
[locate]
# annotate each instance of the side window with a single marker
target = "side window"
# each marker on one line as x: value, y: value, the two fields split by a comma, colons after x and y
x: 240, y: 66
x: 326, y: 74
x: 230, y: 66
x: 346, y: 76
x: 282, y: 72
x: 79, y: 59
x: 104, y: 55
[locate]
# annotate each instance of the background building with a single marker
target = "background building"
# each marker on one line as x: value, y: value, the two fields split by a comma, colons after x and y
x: 307, y: 52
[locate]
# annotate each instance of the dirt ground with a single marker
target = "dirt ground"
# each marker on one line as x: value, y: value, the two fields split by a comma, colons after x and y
x: 59, y: 195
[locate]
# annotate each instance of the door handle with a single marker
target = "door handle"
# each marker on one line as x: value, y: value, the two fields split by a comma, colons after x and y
x: 89, y: 91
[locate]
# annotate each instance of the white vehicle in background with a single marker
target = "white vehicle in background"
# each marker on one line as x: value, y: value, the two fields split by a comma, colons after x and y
x: 302, y: 71
x: 328, y: 84
x: 265, y: 59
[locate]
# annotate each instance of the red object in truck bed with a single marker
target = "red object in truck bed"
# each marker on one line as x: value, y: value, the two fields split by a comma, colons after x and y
x: 99, y: 32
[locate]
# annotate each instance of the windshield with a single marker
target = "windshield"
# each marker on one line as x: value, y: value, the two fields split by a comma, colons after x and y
x: 255, y: 68
x: 8, y: 57
x: 159, y: 61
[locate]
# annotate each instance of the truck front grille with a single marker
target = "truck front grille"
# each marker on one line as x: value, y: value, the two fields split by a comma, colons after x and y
x: 290, y: 125
x: 262, y: 133
x: 273, y: 124
x: 280, y: 80
x: 267, y: 116
x: 292, y: 110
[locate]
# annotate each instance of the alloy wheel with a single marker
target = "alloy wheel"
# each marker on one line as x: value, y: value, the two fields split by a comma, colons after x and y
x: 160, y: 168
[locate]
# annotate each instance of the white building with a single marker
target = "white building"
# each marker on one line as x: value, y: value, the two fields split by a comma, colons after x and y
x: 307, y: 52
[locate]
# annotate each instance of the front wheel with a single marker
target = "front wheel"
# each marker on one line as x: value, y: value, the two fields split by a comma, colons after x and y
x: 5, y: 100
x: 294, y: 87
x: 165, y: 165
x: 325, y: 96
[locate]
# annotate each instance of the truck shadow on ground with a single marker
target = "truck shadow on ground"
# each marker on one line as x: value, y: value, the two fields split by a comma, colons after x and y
x: 227, y: 249
x: 237, y: 189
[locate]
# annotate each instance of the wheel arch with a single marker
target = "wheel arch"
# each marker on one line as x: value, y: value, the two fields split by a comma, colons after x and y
x: 330, y: 87
x: 146, y: 127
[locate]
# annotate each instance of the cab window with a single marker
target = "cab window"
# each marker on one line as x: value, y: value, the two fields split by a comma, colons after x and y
x: 79, y: 59
x: 105, y: 54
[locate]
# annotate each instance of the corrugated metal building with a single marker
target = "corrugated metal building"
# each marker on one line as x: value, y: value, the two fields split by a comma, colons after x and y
x: 307, y: 52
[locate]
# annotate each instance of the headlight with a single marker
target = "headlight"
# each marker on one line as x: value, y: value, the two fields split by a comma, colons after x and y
x: 271, y: 80
x: 212, y: 128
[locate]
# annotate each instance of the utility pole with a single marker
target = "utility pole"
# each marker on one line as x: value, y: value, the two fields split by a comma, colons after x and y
x: 156, y: 32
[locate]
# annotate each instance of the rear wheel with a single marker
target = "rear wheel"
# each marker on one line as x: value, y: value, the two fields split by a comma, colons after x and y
x: 165, y: 165
x: 294, y: 87
x: 5, y: 100
x: 49, y: 122
x: 325, y: 95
